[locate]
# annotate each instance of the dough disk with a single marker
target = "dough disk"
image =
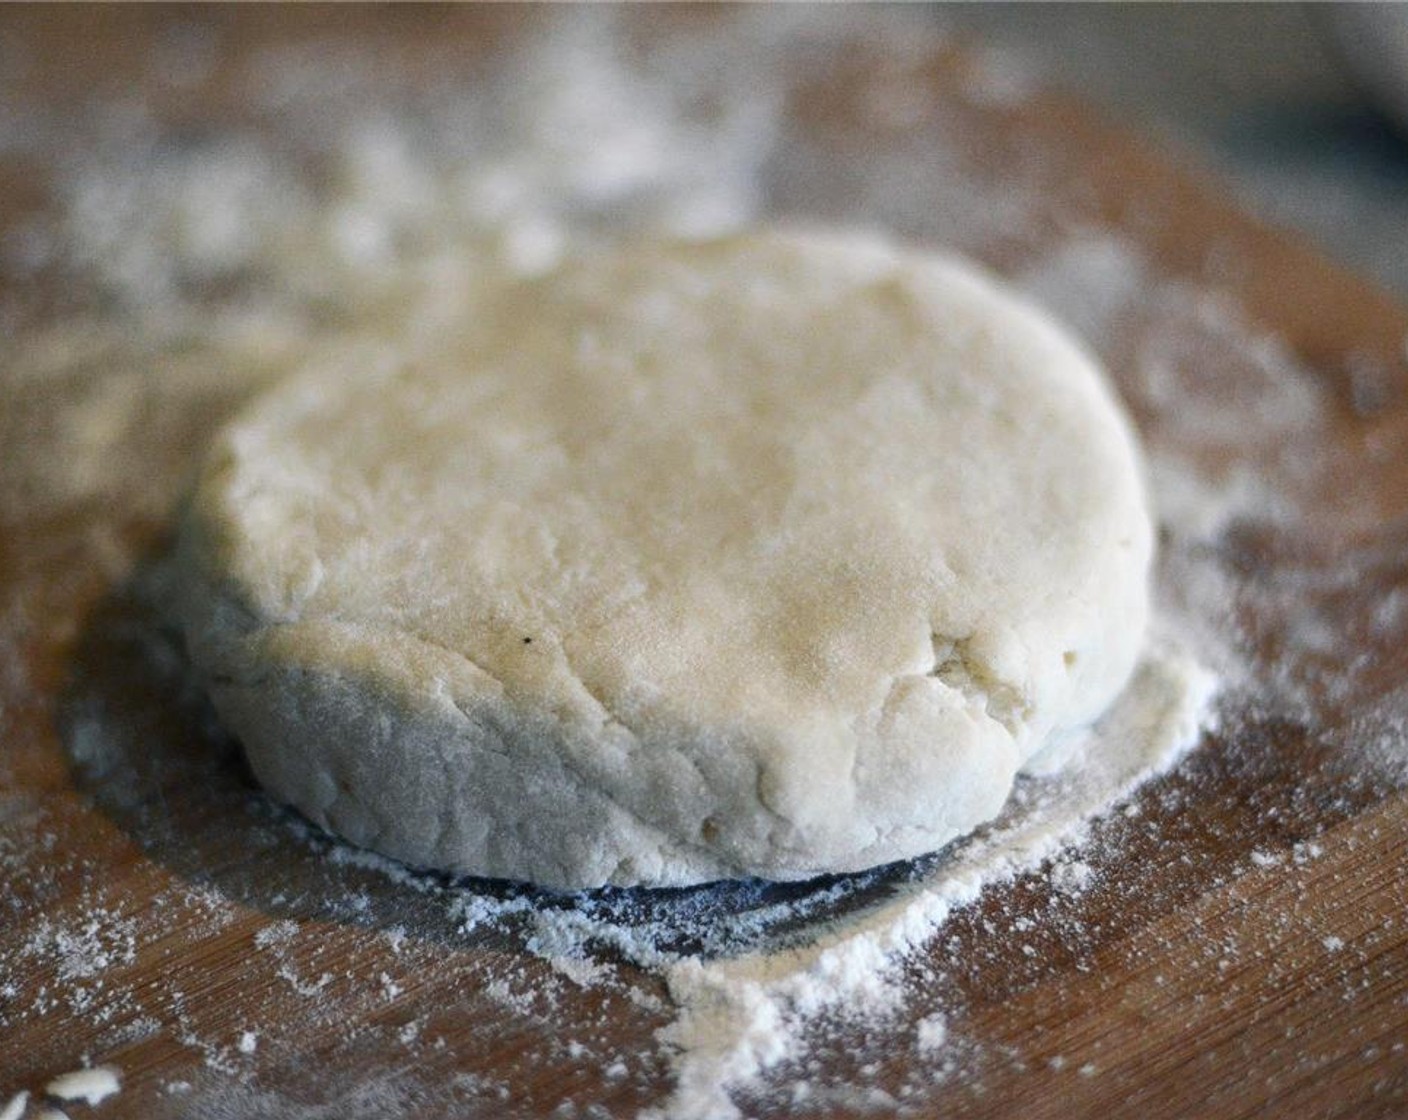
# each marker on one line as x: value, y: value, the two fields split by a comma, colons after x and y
x: 772, y: 556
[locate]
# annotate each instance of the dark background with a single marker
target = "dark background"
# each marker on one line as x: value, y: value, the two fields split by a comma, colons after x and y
x: 1262, y: 95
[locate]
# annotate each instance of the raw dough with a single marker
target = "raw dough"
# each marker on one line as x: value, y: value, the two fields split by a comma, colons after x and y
x: 772, y: 556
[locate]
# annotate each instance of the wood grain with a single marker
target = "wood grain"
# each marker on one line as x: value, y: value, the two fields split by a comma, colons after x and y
x: 1243, y: 947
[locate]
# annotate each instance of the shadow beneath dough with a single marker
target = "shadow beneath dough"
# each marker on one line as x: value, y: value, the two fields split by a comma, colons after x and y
x: 146, y: 745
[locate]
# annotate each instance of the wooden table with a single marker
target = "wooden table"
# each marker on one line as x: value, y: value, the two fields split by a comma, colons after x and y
x: 1243, y: 947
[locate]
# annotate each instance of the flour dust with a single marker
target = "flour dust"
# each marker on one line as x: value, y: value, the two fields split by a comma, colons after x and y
x: 350, y: 210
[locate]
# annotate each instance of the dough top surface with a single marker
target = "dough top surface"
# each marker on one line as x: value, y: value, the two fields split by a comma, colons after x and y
x: 779, y: 555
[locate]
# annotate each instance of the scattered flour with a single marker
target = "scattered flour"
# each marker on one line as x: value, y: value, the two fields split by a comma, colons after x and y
x: 740, y: 1017
x: 91, y: 1086
x: 198, y: 267
x: 1071, y: 875
x: 278, y: 933
x: 930, y: 1033
x: 105, y: 939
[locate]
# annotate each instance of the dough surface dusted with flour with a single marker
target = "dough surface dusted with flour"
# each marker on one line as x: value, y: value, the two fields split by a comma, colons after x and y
x: 772, y: 556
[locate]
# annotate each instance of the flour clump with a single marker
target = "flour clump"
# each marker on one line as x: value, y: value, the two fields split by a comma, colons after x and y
x: 771, y: 556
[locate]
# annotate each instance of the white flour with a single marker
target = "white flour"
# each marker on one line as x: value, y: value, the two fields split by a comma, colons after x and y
x: 91, y: 1086
x: 196, y: 268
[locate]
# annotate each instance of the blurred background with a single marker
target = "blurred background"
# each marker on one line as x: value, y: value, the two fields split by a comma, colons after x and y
x: 1302, y: 109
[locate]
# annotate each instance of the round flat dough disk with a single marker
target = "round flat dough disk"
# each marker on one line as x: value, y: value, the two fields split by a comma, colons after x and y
x: 773, y: 556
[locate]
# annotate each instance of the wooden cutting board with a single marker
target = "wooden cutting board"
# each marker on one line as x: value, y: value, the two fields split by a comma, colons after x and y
x: 1242, y: 948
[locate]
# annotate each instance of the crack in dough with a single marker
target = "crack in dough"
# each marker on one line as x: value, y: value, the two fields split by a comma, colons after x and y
x: 999, y: 700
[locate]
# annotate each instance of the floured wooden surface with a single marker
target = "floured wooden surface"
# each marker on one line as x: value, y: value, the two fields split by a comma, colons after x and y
x: 267, y: 188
